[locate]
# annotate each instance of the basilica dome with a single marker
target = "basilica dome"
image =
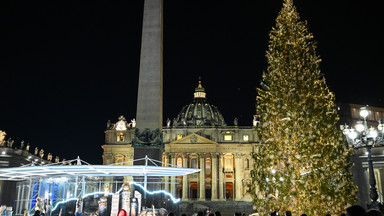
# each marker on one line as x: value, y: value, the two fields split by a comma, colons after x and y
x: 199, y: 113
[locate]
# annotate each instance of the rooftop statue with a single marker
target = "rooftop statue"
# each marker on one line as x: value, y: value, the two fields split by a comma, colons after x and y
x: 2, y: 137
x: 10, y: 142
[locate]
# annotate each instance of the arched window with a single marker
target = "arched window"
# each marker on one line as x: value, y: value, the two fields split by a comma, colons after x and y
x: 193, y: 163
x: 179, y: 162
x: 247, y: 163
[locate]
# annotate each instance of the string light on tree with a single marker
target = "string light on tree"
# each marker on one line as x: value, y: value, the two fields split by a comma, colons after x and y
x: 301, y: 147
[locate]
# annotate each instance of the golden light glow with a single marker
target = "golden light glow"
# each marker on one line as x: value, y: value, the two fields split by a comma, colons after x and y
x: 245, y: 137
x: 120, y: 137
x: 121, y: 125
x: 199, y: 94
x: 179, y: 136
x: 227, y: 137
x: 179, y: 162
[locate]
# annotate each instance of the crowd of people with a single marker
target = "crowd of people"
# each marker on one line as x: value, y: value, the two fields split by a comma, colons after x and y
x: 354, y: 210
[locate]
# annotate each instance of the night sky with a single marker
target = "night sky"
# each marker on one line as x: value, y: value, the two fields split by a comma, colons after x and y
x: 69, y: 66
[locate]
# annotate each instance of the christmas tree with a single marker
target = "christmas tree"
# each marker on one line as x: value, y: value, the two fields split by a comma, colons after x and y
x: 302, y: 164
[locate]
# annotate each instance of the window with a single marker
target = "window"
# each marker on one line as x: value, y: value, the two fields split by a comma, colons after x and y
x: 371, y: 116
x: 179, y: 162
x: 208, y: 163
x: 208, y: 167
x: 245, y: 137
x: 193, y: 163
x: 355, y: 113
x: 247, y: 164
x: 227, y: 137
x: 228, y: 164
x: 179, y: 136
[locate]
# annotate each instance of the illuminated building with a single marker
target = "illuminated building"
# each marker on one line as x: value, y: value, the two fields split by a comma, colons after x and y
x: 15, y: 156
x: 349, y: 114
x: 198, y: 137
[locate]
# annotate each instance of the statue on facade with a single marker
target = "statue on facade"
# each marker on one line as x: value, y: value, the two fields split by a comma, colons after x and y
x: 49, y: 157
x: 28, y: 146
x: 10, y: 142
x: 41, y: 153
x: 109, y: 124
x: 57, y: 159
x: 36, y: 150
x: 235, y: 122
x: 168, y: 123
x: 133, y: 123
x: 22, y: 144
x: 2, y: 137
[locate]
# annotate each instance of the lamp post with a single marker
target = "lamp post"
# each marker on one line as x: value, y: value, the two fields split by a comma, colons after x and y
x: 363, y: 137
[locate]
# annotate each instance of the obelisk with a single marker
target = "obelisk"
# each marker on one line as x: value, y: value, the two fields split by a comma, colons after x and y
x: 149, y: 114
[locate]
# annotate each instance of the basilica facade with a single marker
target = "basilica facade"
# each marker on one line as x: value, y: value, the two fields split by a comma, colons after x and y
x: 197, y: 137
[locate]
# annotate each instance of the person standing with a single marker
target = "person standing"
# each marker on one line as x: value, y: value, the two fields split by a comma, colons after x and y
x: 79, y: 207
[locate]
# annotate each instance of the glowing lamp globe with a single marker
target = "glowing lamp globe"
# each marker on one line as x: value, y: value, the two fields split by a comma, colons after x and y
x: 359, y: 126
x: 380, y: 127
x: 363, y: 112
x: 352, y: 134
x: 372, y: 133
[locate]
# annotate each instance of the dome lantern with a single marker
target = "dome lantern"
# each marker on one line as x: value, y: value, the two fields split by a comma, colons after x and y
x: 199, y: 92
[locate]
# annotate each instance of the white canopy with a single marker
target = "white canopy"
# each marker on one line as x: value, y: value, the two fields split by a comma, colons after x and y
x: 50, y: 171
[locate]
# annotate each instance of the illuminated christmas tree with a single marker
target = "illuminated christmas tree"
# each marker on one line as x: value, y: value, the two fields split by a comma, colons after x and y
x: 302, y: 163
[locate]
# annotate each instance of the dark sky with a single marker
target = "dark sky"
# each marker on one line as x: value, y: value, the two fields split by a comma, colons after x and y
x: 69, y: 66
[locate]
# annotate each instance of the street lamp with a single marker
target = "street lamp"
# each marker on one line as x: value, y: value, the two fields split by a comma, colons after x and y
x: 363, y: 137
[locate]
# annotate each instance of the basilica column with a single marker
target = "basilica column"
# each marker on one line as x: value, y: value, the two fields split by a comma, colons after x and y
x: 238, y: 174
x: 173, y: 178
x: 202, y: 177
x: 185, y: 178
x: 166, y: 178
x: 214, y: 176
x: 221, y: 179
